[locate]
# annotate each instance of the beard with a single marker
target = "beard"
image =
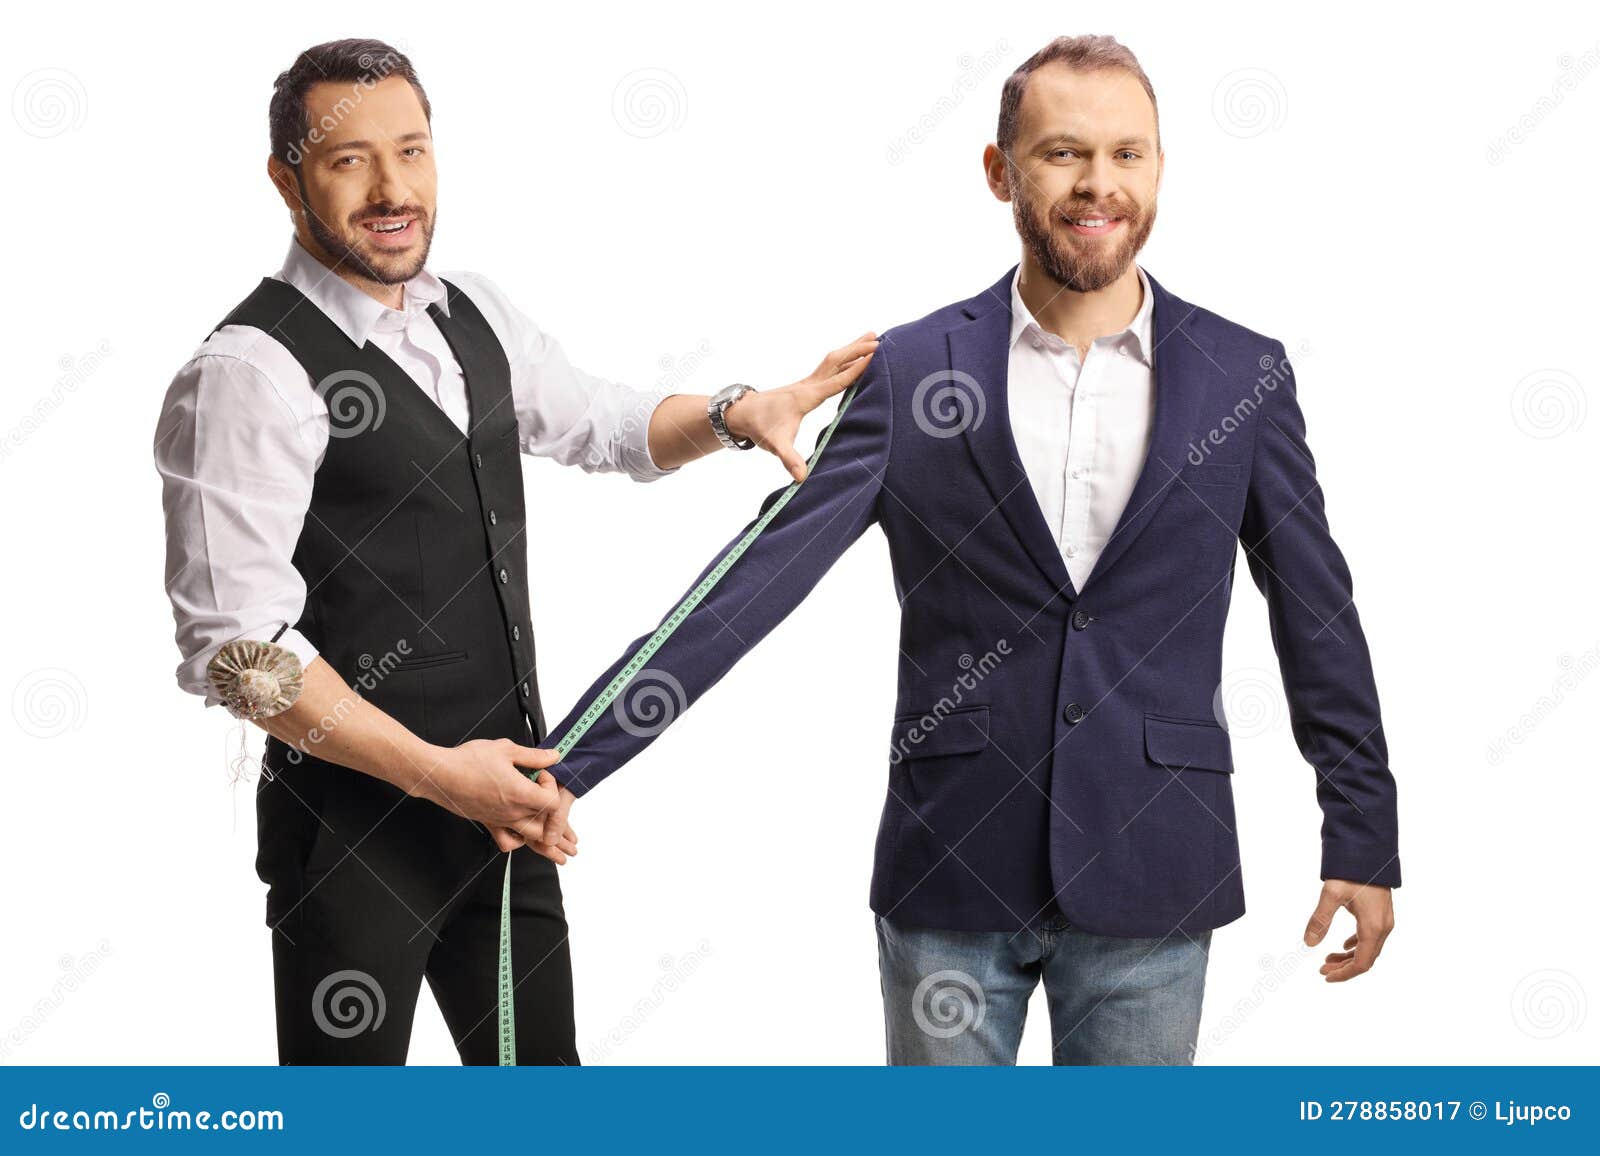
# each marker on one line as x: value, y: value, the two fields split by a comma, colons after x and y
x: 374, y: 264
x: 1082, y: 264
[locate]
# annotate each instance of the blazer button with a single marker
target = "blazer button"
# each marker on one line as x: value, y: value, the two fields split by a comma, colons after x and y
x: 1081, y: 619
x: 504, y: 577
x: 1073, y: 713
x: 492, y: 518
x: 516, y: 633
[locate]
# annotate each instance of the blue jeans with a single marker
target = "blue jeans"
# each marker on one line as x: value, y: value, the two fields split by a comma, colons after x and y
x: 960, y: 997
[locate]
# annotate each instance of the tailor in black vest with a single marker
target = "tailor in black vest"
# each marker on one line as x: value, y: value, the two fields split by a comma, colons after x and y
x: 413, y: 549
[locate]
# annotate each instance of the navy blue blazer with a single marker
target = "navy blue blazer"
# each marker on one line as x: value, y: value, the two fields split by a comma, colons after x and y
x: 1056, y: 748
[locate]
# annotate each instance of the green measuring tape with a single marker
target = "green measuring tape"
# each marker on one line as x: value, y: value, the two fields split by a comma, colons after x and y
x: 508, y: 1025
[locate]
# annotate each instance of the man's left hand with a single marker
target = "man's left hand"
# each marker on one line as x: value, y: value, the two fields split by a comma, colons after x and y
x: 1373, y: 908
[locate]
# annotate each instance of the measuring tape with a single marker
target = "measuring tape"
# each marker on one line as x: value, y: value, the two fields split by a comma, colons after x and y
x: 602, y: 703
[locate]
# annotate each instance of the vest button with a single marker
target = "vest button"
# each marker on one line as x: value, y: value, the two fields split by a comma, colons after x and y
x: 477, y: 460
x: 516, y: 633
x: 504, y: 577
x: 492, y: 518
x: 524, y: 690
x: 1073, y: 713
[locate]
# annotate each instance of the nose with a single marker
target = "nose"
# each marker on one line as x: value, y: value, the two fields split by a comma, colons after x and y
x: 388, y: 185
x: 1096, y: 180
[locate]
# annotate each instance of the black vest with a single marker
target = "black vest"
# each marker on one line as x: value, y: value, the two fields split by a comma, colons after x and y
x: 413, y: 549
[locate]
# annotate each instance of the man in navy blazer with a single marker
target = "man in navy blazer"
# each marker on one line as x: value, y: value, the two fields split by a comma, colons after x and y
x: 1060, y: 802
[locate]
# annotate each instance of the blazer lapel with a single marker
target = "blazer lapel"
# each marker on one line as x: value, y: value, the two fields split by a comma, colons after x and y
x: 980, y: 355
x: 1184, y: 371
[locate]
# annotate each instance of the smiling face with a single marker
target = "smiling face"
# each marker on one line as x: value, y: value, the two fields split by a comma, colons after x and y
x: 366, y: 180
x: 1084, y: 173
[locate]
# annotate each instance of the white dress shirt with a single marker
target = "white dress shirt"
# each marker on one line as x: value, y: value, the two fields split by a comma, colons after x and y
x: 243, y: 431
x: 1081, y: 428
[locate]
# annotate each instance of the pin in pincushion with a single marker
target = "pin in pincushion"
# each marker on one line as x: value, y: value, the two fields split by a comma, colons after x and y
x: 255, y: 680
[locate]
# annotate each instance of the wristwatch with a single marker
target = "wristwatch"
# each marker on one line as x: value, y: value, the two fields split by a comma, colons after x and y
x: 716, y: 410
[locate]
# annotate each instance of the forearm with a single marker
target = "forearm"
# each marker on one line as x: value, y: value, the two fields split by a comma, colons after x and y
x: 332, y: 722
x: 680, y: 431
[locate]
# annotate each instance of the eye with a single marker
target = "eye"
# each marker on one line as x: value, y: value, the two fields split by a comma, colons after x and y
x: 418, y: 150
x: 1063, y: 153
x: 1128, y: 154
x: 340, y: 163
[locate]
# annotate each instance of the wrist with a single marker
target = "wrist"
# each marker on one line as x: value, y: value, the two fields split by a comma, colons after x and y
x: 420, y: 769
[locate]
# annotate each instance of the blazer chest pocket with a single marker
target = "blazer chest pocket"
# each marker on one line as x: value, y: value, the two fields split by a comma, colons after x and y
x: 1187, y: 744
x: 1212, y: 474
x: 939, y: 733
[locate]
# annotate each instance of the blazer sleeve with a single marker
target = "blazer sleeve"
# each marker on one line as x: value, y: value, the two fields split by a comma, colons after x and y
x: 826, y: 514
x: 1322, y: 653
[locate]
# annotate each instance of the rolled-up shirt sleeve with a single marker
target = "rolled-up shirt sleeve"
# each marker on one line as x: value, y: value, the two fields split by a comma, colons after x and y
x: 562, y: 412
x: 237, y: 460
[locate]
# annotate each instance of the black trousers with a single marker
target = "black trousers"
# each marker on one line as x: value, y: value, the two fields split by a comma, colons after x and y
x: 371, y: 891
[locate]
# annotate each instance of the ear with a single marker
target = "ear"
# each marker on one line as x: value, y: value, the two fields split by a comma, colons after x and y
x: 283, y: 179
x: 994, y: 172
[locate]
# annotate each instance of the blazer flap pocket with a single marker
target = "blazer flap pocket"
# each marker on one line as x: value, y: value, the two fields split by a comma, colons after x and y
x: 1187, y: 744
x: 1211, y: 473
x: 937, y: 732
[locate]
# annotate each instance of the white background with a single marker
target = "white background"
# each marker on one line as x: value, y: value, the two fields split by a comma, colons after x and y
x: 1335, y: 183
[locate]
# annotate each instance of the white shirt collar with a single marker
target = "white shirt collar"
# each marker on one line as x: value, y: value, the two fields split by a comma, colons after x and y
x: 1138, y: 330
x: 353, y: 311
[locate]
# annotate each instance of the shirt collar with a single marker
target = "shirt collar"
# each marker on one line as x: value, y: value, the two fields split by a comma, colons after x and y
x: 353, y: 311
x: 1137, y: 333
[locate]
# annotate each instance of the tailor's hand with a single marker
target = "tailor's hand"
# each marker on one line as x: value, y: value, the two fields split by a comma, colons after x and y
x: 1373, y: 908
x: 771, y: 417
x: 483, y: 780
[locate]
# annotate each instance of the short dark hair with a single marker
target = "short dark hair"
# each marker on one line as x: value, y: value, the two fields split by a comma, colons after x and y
x: 1086, y: 54
x: 360, y: 63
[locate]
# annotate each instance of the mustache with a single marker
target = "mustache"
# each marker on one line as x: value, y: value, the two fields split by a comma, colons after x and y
x: 386, y: 213
x: 1113, y: 209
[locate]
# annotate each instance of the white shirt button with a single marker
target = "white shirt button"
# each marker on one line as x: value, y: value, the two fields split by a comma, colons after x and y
x: 1070, y: 550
